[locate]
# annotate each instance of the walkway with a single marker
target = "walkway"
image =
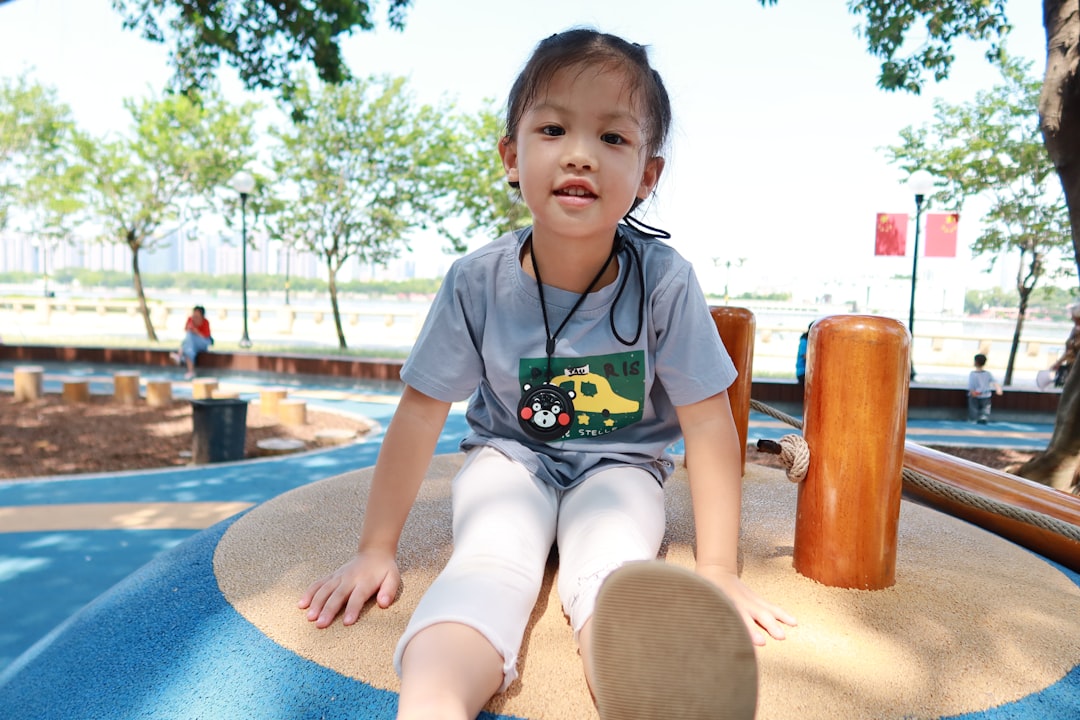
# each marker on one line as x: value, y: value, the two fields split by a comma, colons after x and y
x: 65, y: 541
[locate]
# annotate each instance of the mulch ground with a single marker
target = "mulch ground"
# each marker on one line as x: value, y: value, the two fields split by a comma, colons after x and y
x: 47, y: 437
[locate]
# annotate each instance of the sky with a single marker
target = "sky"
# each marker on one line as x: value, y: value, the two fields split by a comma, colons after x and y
x: 776, y: 165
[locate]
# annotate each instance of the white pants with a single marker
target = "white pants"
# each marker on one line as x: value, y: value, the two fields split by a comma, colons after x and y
x: 505, y: 521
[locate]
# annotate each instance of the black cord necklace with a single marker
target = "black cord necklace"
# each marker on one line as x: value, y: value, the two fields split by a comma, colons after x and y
x: 545, y: 412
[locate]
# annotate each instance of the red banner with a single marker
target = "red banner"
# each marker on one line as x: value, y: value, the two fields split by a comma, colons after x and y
x: 941, y: 234
x: 891, y: 237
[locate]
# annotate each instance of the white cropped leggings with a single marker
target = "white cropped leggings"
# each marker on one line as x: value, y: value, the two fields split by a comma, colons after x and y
x: 505, y: 521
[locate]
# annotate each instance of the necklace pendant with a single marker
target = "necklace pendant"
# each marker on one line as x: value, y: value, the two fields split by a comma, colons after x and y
x: 546, y: 412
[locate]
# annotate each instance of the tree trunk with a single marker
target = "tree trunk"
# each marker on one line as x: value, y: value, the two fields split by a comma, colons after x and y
x: 1059, y: 114
x: 150, y: 334
x: 332, y: 282
x: 1025, y: 295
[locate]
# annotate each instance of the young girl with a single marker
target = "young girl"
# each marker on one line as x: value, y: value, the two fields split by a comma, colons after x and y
x: 587, y: 348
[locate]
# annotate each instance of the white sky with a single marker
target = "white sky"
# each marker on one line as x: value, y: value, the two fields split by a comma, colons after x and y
x: 775, y: 156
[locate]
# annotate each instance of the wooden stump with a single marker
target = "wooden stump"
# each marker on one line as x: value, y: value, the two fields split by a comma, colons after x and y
x: 269, y: 399
x: 292, y: 412
x: 203, y: 388
x: 220, y: 394
x: 126, y: 387
x: 76, y: 391
x: 280, y: 446
x: 158, y: 393
x: 333, y: 436
x: 28, y: 382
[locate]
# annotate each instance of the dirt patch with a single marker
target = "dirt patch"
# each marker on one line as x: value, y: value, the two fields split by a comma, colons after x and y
x: 46, y: 437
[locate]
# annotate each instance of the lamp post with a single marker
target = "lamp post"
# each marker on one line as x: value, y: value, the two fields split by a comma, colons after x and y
x: 920, y: 183
x: 243, y: 183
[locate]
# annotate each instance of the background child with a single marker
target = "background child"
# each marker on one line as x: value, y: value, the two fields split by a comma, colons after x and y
x: 981, y: 385
x: 586, y: 348
x: 197, y: 339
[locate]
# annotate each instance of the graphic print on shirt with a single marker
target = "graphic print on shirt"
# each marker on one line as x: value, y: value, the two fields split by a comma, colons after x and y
x: 608, y: 391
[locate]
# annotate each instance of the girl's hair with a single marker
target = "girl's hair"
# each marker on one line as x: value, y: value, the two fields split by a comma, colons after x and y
x: 582, y: 47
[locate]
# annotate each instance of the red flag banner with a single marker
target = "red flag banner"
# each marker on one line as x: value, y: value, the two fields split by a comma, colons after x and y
x: 891, y: 237
x: 941, y: 234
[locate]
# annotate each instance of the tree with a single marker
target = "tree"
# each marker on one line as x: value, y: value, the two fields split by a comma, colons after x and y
x: 991, y: 147
x: 180, y: 152
x: 886, y: 27
x: 480, y: 193
x: 359, y: 169
x: 263, y: 39
x: 35, y: 137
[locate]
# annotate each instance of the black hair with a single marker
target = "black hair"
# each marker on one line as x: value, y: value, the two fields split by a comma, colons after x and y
x: 581, y: 47
x: 980, y: 359
x: 201, y: 309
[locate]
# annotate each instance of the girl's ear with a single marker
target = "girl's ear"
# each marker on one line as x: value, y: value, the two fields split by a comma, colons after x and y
x: 508, y: 153
x: 653, y: 168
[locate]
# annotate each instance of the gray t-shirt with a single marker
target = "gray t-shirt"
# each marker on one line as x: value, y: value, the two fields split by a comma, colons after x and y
x: 484, y: 337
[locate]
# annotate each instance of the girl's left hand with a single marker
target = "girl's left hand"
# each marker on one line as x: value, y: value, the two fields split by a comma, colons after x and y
x: 756, y: 613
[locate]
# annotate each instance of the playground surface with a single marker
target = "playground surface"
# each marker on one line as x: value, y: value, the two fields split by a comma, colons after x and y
x: 131, y: 552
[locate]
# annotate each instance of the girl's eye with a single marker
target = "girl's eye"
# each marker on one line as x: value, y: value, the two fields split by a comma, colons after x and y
x: 612, y: 139
x: 552, y: 130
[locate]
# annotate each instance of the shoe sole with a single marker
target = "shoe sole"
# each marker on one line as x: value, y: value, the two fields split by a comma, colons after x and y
x: 666, y: 643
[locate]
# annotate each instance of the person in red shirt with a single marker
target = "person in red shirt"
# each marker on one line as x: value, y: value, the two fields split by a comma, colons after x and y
x: 197, y: 339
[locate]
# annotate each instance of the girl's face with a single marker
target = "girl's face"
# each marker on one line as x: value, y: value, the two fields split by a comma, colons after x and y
x: 580, y: 155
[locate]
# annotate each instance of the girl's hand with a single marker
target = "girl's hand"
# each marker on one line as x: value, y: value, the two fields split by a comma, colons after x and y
x: 350, y: 586
x: 756, y: 613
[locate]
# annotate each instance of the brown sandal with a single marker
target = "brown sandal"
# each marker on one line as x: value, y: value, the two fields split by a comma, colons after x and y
x: 667, y: 643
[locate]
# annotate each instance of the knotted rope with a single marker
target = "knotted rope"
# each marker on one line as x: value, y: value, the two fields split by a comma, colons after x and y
x: 796, y: 447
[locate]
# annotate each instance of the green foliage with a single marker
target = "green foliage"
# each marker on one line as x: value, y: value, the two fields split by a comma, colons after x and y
x: 992, y: 147
x: 37, y: 173
x: 359, y: 171
x: 476, y: 181
x: 1048, y: 302
x: 888, y: 25
x: 265, y: 40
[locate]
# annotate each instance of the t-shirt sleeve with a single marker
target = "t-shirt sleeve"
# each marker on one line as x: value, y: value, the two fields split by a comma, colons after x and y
x: 691, y: 361
x: 445, y: 361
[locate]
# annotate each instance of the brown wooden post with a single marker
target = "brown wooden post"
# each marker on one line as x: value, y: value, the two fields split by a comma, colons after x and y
x: 159, y: 393
x: 269, y: 399
x: 203, y: 388
x: 854, y: 424
x: 737, y: 327
x: 75, y: 391
x: 126, y: 387
x: 292, y: 412
x: 28, y: 380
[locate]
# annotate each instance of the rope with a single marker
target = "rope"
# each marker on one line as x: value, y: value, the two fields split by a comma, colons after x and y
x: 930, y: 485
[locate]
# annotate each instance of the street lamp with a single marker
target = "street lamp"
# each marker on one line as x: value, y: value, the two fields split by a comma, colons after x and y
x: 920, y: 183
x: 243, y: 183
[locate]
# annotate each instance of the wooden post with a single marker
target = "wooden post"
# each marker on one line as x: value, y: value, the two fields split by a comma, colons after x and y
x: 737, y: 327
x: 28, y: 382
x: 158, y: 393
x: 292, y: 412
x: 126, y: 387
x: 76, y: 391
x: 269, y: 399
x: 855, y: 420
x: 203, y: 388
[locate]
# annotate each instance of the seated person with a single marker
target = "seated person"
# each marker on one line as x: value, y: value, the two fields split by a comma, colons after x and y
x: 197, y: 339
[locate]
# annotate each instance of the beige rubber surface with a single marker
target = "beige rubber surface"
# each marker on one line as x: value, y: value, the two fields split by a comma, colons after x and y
x: 972, y: 622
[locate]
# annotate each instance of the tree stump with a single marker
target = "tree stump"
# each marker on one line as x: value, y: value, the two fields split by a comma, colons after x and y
x: 126, y: 387
x: 269, y: 399
x: 220, y: 394
x: 76, y: 391
x: 28, y: 382
x: 292, y: 412
x: 332, y: 436
x: 158, y: 393
x: 280, y: 446
x: 203, y: 388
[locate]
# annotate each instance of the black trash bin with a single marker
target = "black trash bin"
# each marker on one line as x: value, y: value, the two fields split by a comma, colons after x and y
x: 219, y: 430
